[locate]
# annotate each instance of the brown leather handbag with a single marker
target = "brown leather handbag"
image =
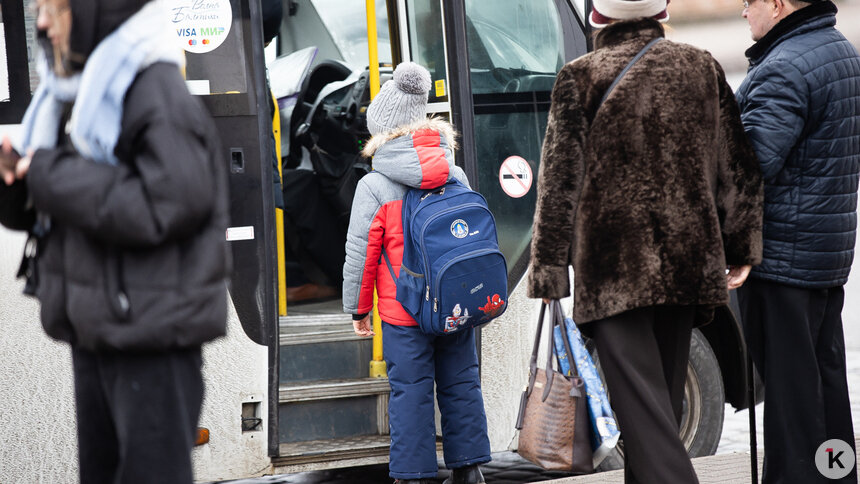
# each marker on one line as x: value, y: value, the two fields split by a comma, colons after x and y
x: 553, y: 417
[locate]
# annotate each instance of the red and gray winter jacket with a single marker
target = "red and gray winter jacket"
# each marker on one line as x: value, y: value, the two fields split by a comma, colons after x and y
x: 419, y: 155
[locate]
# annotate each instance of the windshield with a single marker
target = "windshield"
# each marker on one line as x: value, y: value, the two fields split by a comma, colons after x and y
x: 518, y: 34
x: 346, y: 22
x: 505, y: 52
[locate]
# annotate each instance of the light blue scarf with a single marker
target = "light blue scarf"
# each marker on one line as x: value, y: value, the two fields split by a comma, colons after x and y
x: 99, y: 91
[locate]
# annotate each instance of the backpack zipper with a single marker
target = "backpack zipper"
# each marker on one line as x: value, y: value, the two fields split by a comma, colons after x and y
x: 459, y: 258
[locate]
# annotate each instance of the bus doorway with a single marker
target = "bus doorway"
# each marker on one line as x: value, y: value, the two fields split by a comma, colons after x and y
x: 493, y: 65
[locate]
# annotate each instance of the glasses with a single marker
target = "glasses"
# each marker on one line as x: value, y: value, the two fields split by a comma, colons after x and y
x: 747, y: 3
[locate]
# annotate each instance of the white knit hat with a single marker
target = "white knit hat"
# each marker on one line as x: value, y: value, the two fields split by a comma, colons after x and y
x: 604, y: 11
x: 402, y: 100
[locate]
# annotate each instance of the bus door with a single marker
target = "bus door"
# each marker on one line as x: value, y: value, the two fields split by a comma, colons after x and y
x: 493, y: 65
x: 223, y: 42
x: 331, y: 410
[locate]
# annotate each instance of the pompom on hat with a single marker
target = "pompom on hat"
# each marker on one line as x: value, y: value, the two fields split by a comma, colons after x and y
x: 400, y: 101
x: 604, y: 11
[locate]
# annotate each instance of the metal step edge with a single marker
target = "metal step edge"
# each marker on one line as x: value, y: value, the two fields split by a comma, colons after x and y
x: 329, y: 389
x: 293, y: 455
x: 293, y: 339
x: 315, y: 319
x: 297, y: 453
x: 316, y: 328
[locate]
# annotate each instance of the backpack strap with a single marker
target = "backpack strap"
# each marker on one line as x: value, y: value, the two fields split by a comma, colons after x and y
x: 627, y: 68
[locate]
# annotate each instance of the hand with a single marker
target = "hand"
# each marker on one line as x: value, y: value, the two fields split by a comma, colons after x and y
x: 23, y: 165
x: 737, y: 275
x: 8, y: 160
x: 546, y: 300
x: 363, y: 327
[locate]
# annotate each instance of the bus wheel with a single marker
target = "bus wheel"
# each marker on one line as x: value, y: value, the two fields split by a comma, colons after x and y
x: 704, y: 399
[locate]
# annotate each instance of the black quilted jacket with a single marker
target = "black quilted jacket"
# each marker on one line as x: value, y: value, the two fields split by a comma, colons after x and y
x: 136, y: 257
x: 800, y: 106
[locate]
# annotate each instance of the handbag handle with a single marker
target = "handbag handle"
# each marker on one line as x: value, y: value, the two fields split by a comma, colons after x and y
x: 550, y: 374
x: 574, y: 392
x: 556, y: 318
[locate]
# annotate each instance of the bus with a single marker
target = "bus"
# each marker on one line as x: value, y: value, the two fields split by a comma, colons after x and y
x: 291, y: 388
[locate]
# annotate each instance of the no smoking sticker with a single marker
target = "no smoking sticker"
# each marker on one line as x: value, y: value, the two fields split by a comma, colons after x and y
x: 515, y: 176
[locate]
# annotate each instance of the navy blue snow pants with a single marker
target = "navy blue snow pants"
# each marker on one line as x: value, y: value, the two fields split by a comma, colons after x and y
x: 414, y: 361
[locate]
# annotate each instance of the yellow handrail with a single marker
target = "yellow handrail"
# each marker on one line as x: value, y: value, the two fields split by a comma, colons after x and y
x: 279, y: 216
x: 377, y: 364
x: 372, y: 48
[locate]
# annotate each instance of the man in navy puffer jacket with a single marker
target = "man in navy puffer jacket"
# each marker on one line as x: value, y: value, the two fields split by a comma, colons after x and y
x: 800, y: 106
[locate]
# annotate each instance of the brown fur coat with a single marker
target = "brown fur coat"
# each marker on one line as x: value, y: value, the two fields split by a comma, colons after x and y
x: 650, y: 196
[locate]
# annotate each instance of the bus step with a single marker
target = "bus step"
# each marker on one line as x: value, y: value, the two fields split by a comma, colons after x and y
x: 326, y: 328
x: 359, y: 450
x: 322, y: 347
x: 332, y: 409
x: 328, y: 389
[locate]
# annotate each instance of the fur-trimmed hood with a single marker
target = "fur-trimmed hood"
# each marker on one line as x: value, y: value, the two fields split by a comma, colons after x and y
x: 418, y: 155
x: 438, y: 124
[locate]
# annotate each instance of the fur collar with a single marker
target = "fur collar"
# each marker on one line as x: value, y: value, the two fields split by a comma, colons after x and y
x: 437, y: 124
x: 798, y: 21
x: 616, y: 33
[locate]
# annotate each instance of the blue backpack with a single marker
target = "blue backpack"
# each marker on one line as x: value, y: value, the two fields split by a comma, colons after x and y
x: 453, y: 275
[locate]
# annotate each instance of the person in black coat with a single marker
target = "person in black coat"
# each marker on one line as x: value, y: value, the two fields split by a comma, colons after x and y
x: 121, y: 182
x: 801, y: 109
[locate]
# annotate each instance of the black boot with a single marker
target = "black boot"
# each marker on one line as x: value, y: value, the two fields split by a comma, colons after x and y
x: 466, y: 475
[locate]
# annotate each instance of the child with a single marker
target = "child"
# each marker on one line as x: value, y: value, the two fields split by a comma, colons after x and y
x: 410, y: 150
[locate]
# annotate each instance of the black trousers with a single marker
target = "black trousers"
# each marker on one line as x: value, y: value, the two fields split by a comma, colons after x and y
x: 137, y: 416
x: 795, y: 338
x: 644, y: 355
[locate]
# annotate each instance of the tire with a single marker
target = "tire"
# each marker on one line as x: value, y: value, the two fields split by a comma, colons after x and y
x: 704, y: 399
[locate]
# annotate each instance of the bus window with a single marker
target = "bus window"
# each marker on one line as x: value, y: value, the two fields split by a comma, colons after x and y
x: 18, y: 76
x: 427, y: 44
x: 513, y: 43
x: 4, y: 68
x: 338, y: 29
x: 516, y: 47
x: 345, y: 22
x: 580, y: 8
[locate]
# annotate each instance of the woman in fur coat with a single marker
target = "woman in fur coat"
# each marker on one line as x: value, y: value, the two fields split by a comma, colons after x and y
x: 651, y: 195
x: 410, y: 150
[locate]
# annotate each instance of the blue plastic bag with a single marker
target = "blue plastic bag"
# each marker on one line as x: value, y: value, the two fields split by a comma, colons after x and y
x: 604, y: 429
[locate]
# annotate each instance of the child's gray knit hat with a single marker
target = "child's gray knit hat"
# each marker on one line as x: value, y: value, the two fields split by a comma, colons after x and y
x: 402, y: 100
